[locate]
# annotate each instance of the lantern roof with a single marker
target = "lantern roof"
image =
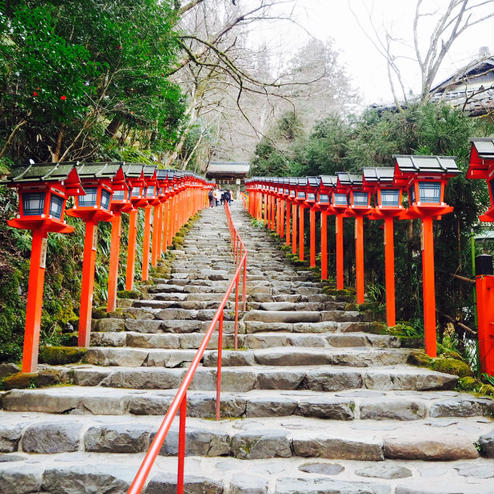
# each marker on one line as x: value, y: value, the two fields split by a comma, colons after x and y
x: 301, y: 180
x: 328, y: 180
x: 484, y: 147
x: 379, y: 176
x: 161, y: 174
x: 293, y: 181
x: 149, y: 171
x: 133, y: 170
x: 313, y: 181
x: 98, y: 170
x: 41, y: 172
x: 349, y: 179
x: 441, y: 165
x: 481, y: 158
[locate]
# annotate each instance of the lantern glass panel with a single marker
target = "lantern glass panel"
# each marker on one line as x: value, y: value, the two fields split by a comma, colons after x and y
x: 56, y: 206
x: 390, y: 197
x: 150, y: 192
x: 301, y: 195
x: 119, y: 195
x: 360, y: 198
x: 492, y: 190
x: 340, y: 199
x: 90, y: 198
x: 430, y: 191
x: 33, y: 203
x: 411, y: 194
x: 311, y: 197
x: 136, y: 191
x: 324, y: 198
x: 105, y: 198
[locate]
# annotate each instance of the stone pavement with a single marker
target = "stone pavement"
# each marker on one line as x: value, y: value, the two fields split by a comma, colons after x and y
x: 312, y: 402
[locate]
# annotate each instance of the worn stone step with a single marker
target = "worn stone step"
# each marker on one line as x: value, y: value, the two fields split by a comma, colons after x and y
x: 189, y: 297
x: 247, y: 439
x: 306, y: 327
x: 327, y: 305
x: 315, y: 378
x: 157, y: 325
x: 179, y: 304
x: 80, y: 473
x: 287, y: 316
x: 342, y: 405
x: 150, y: 313
x: 256, y: 340
x: 298, y: 356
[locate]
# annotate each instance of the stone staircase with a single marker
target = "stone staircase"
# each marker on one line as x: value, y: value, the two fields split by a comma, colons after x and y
x: 311, y: 402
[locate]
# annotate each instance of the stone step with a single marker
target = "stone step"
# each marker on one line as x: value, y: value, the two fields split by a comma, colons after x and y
x: 298, y: 356
x: 81, y: 473
x: 158, y: 326
x: 246, y: 439
x: 307, y: 327
x: 178, y: 304
x: 256, y: 340
x: 297, y: 306
x: 343, y: 405
x: 288, y: 316
x: 314, y: 378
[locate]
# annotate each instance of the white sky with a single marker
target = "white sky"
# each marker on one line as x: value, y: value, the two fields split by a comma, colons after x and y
x: 366, y: 67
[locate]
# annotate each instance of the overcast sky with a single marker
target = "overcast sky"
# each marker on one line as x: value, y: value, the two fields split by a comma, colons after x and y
x: 367, y: 69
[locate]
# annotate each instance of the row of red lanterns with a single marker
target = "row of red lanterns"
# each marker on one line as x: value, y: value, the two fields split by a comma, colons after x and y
x: 423, y: 179
x: 346, y: 195
x: 102, y: 192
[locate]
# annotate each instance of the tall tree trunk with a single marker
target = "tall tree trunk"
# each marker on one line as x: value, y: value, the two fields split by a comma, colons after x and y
x: 55, y: 155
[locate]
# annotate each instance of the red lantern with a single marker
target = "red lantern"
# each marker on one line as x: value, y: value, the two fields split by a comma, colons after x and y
x: 43, y: 191
x: 425, y: 178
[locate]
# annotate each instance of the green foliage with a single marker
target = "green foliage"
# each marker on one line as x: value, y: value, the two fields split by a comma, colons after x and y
x: 88, y: 77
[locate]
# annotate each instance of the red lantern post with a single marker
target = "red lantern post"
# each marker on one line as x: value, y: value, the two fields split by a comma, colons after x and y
x: 300, y: 199
x: 92, y: 208
x: 339, y: 205
x: 387, y: 206
x: 151, y: 199
x: 482, y: 167
x: 293, y: 200
x: 358, y: 207
x: 120, y: 203
x: 43, y: 191
x: 327, y: 185
x: 425, y: 178
x: 310, y: 201
x: 135, y: 178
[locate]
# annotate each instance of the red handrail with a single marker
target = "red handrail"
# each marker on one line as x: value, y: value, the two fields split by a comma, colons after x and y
x: 180, y: 400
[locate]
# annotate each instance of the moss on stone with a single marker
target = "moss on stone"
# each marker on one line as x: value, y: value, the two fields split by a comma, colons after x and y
x: 378, y: 327
x: 411, y: 341
x: 99, y: 313
x: 133, y: 294
x: 486, y: 389
x: 20, y: 380
x: 24, y: 380
x: 467, y: 383
x: 69, y: 339
x: 451, y: 366
x: 420, y: 359
x: 60, y: 355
